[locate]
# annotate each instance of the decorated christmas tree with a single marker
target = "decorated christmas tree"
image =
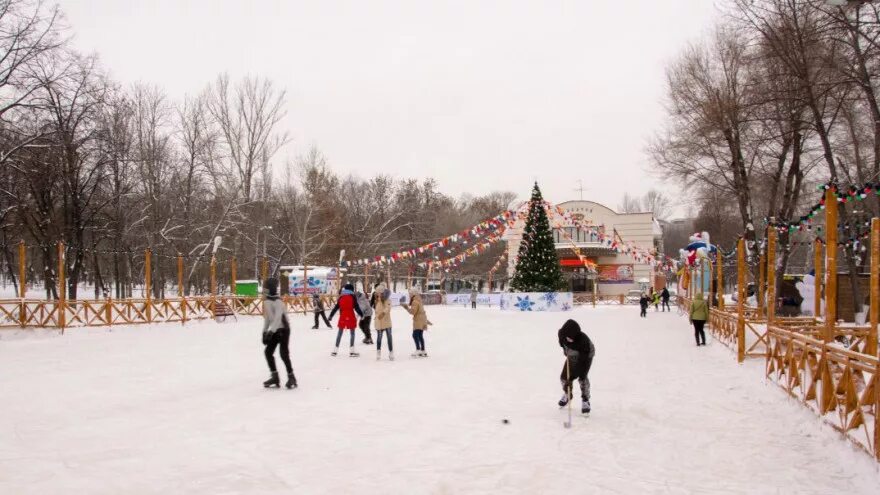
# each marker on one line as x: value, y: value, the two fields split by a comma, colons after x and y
x: 537, y: 266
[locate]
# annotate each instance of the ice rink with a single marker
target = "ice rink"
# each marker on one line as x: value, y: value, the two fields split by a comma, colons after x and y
x: 180, y: 409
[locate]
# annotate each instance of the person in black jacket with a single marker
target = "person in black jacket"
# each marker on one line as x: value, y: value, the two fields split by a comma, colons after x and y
x: 579, y: 352
x: 643, y: 303
x: 664, y: 296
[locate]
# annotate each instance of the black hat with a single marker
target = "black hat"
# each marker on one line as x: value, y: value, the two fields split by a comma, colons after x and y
x: 272, y: 286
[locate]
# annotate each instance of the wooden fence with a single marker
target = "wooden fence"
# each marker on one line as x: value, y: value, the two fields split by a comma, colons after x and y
x: 831, y: 368
x: 24, y: 313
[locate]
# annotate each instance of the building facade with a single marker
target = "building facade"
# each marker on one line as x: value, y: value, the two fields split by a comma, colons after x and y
x: 618, y: 273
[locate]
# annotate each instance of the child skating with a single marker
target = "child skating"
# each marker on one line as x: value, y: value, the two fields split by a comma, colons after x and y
x: 643, y: 304
x: 579, y: 351
x: 347, y: 306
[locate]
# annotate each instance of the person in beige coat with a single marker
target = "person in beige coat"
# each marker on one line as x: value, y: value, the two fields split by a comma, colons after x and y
x: 382, y: 312
x: 420, y: 321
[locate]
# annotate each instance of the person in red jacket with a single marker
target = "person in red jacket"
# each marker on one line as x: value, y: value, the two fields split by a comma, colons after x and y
x: 347, y: 306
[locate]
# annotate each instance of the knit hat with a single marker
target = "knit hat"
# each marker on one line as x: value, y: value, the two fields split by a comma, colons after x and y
x: 348, y: 287
x: 272, y: 287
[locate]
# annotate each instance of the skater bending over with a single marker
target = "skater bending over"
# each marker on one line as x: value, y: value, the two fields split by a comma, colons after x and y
x: 579, y: 351
x: 420, y: 321
x: 382, y: 297
x: 347, y: 306
x: 699, y: 314
x: 276, y: 333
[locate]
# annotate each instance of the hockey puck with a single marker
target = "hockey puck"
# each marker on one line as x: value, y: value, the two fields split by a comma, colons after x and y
x: 505, y: 421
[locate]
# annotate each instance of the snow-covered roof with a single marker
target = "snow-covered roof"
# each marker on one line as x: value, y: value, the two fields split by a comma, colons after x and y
x: 247, y: 281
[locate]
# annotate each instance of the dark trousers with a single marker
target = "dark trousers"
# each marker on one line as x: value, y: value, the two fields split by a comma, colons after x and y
x: 419, y: 339
x: 584, y: 378
x: 699, y: 334
x: 644, y: 313
x: 322, y: 314
x: 365, y: 327
x: 666, y: 305
x: 379, y: 339
x: 281, y: 339
x: 474, y: 305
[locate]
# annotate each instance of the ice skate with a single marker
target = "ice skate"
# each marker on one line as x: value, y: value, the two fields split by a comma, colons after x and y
x: 272, y: 381
x: 390, y: 356
x: 423, y: 354
x: 585, y: 406
x: 353, y: 353
x: 335, y: 351
x: 378, y: 355
x: 291, y: 381
x: 564, y: 400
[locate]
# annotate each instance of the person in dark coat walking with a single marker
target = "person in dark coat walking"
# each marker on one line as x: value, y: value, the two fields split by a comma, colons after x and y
x: 643, y: 303
x: 664, y: 296
x: 276, y: 333
x: 579, y: 352
x: 318, y: 308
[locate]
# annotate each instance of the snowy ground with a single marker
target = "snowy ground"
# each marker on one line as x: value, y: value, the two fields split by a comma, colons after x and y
x: 172, y: 409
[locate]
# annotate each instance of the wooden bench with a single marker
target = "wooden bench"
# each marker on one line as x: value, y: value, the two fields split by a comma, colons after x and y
x: 222, y: 310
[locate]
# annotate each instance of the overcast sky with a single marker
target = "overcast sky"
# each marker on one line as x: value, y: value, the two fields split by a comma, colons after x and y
x: 479, y: 95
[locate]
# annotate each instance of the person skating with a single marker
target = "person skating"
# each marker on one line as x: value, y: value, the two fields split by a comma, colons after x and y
x: 699, y: 313
x: 318, y: 308
x: 276, y: 333
x: 382, y: 312
x: 474, y: 299
x: 366, y: 319
x: 347, y: 306
x: 664, y: 297
x: 655, y: 299
x: 643, y: 304
x: 579, y: 352
x: 420, y: 321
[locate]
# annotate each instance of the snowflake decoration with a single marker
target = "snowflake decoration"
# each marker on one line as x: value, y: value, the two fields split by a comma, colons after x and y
x: 551, y: 298
x: 524, y: 304
x: 566, y: 306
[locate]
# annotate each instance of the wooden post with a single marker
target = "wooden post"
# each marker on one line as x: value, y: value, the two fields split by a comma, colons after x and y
x: 305, y: 293
x: 871, y: 344
x: 62, y: 287
x: 22, y: 284
x: 213, y: 282
x: 771, y: 275
x: 817, y: 279
x: 830, y: 265
x: 595, y: 294
x: 147, y: 285
x: 264, y: 268
x: 719, y: 283
x: 233, y: 269
x: 741, y: 300
x: 180, y: 292
x: 22, y: 275
x: 759, y: 290
x: 179, y: 276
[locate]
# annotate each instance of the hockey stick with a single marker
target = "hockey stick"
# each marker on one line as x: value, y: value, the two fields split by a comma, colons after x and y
x: 568, y: 391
